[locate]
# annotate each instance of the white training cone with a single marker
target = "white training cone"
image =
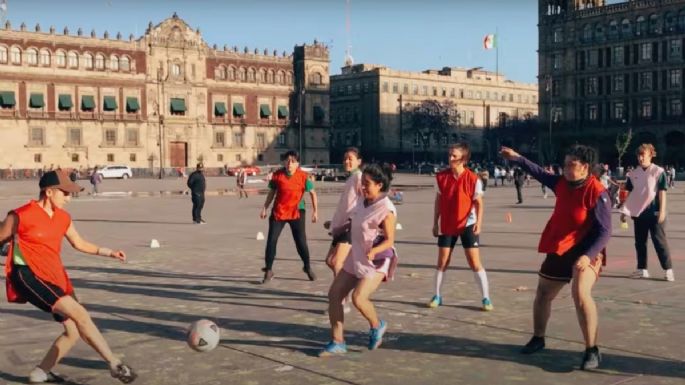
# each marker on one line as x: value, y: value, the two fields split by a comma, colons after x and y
x: 260, y: 236
x: 398, y: 226
x: 154, y: 244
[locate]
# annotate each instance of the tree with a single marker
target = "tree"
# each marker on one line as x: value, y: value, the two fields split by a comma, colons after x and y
x: 622, y: 142
x: 433, y: 119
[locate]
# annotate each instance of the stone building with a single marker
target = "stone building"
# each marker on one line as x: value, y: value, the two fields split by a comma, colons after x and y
x: 607, y: 68
x: 166, y: 98
x: 367, y: 101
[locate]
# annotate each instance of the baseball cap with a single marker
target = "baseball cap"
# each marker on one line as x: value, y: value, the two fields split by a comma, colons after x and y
x: 58, y: 179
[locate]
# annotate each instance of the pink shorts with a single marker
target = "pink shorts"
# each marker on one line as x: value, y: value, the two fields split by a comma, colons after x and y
x: 366, y: 268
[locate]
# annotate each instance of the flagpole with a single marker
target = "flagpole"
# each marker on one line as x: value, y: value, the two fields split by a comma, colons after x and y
x: 497, y: 54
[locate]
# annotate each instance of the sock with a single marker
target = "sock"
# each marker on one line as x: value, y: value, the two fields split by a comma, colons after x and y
x: 482, y: 281
x: 438, y: 281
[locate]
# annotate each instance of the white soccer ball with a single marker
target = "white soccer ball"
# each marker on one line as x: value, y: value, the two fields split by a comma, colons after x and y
x: 203, y: 335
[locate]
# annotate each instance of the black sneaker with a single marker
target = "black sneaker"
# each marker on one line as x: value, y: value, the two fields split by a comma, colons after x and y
x: 591, y: 359
x: 535, y: 344
x: 268, y: 275
x: 310, y: 273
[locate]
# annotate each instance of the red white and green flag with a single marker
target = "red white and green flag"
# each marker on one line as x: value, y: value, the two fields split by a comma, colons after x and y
x: 489, y: 41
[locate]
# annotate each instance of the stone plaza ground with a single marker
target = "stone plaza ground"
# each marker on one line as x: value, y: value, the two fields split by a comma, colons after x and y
x: 270, y: 334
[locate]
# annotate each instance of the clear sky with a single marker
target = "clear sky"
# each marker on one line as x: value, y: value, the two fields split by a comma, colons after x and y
x: 401, y: 34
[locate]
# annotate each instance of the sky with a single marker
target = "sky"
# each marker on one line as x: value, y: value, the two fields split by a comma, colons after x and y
x: 401, y: 34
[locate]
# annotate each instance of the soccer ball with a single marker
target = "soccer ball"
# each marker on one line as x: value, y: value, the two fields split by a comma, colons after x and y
x: 203, y: 335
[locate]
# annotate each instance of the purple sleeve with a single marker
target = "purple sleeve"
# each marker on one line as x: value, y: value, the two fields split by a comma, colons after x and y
x: 600, y: 232
x: 547, y: 179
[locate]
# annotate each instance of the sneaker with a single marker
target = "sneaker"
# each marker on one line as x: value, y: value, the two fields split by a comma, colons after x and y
x: 333, y: 349
x: 310, y: 273
x: 435, y: 302
x: 669, y: 275
x: 535, y: 344
x: 268, y: 275
x: 640, y: 273
x: 123, y: 373
x: 202, y: 222
x: 38, y: 376
x: 487, y: 304
x: 591, y: 359
x: 376, y: 335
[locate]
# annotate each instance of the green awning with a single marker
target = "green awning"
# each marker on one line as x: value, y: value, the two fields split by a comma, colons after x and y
x: 219, y: 108
x: 7, y: 99
x: 87, y: 102
x: 318, y: 113
x: 132, y: 104
x: 282, y: 112
x: 36, y: 101
x: 65, y: 102
x: 264, y: 110
x: 178, y: 105
x: 109, y: 103
x: 238, y: 109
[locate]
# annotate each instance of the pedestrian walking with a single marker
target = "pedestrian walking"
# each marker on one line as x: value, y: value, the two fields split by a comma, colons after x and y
x: 646, y: 205
x: 576, y: 233
x: 241, y: 179
x: 34, y: 273
x: 95, y: 180
x: 288, y: 186
x: 73, y: 176
x: 372, y: 259
x: 519, y: 180
x: 197, y: 185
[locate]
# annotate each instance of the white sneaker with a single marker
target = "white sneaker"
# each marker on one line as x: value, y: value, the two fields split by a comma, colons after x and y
x: 669, y: 275
x: 640, y: 273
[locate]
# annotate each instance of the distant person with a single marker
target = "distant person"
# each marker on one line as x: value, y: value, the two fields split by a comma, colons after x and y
x: 241, y: 179
x: 519, y: 180
x: 73, y: 176
x: 197, y: 185
x: 95, y: 180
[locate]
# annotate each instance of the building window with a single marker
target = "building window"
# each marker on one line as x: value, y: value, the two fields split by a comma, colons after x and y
x: 558, y: 35
x: 74, y: 137
x: 75, y: 158
x: 646, y: 109
x: 453, y: 92
x: 88, y: 61
x: 675, y: 47
x: 619, y: 85
x: 592, y: 86
x: 132, y: 157
x: 592, y: 112
x: 556, y: 61
x: 219, y: 157
x: 425, y: 91
x: 405, y: 89
x: 61, y: 59
x: 114, y: 63
x: 238, y: 158
x: 110, y: 137
x: 125, y: 64
x: 593, y: 56
x: 646, y: 51
x: 15, y: 53
x: 100, y: 61
x: 619, y: 56
x: 641, y: 26
x: 625, y: 28
x: 38, y: 158
x: 676, y: 107
x: 385, y: 86
x: 132, y: 136
x: 675, y: 78
x: 587, y: 33
x: 45, y: 57
x: 613, y: 29
x: 219, y: 139
x: 237, y: 139
x: 37, y: 137
x: 645, y: 81
x: 435, y: 91
x: 3, y: 55
x: 72, y: 59
x: 618, y: 111
x: 176, y: 70
x: 282, y: 139
x: 415, y: 89
x: 32, y: 57
x: 110, y: 158
x: 260, y: 141
x: 395, y: 88
x: 654, y: 24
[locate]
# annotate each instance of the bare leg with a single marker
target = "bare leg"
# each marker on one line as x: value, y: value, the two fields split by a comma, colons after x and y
x: 337, y: 255
x: 361, y: 297
x: 61, y: 346
x: 586, y: 309
x: 473, y: 259
x: 343, y: 283
x: 542, y: 307
x: 444, y: 258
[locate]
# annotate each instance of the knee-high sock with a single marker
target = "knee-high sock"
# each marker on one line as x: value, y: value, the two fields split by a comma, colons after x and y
x: 438, y: 281
x: 482, y: 281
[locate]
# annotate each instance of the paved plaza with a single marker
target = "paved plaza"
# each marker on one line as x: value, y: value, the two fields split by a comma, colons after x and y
x: 270, y: 334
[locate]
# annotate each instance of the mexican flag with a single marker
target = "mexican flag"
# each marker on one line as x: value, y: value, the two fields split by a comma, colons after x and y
x: 489, y: 41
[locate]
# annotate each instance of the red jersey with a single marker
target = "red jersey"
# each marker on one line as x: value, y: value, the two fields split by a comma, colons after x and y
x: 39, y: 238
x: 289, y: 192
x: 570, y: 222
x: 456, y: 199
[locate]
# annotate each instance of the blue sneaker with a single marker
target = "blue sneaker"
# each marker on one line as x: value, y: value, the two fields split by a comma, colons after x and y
x: 376, y: 335
x: 333, y: 349
x: 435, y: 302
x: 487, y: 304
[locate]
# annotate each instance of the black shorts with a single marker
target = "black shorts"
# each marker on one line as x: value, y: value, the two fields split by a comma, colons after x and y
x: 341, y: 238
x: 560, y: 267
x: 469, y: 240
x: 37, y: 292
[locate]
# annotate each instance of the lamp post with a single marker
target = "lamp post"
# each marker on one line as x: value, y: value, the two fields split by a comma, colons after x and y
x: 401, y: 129
x: 550, y: 90
x: 301, y: 117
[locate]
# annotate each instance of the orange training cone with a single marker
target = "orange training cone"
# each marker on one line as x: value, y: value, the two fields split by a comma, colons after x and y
x: 508, y: 218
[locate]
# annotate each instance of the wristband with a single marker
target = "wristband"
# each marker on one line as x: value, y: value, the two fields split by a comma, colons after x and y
x: 105, y: 252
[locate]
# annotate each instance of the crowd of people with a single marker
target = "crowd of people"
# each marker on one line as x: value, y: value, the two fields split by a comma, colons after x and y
x: 362, y: 254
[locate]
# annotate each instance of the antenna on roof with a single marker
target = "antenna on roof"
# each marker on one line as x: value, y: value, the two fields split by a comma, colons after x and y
x: 348, y: 51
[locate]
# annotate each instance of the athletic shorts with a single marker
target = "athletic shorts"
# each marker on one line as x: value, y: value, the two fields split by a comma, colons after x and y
x: 469, y: 240
x: 341, y: 238
x: 560, y: 267
x: 37, y: 292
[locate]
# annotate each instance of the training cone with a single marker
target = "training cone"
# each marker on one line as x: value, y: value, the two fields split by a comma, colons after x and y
x: 624, y: 225
x: 260, y: 236
x: 154, y: 244
x: 508, y: 218
x: 398, y: 226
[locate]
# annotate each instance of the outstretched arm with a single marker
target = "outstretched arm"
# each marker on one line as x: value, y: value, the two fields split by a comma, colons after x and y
x: 84, y: 246
x: 547, y: 179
